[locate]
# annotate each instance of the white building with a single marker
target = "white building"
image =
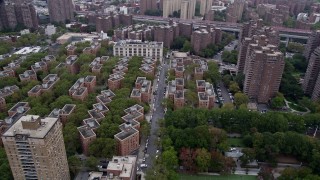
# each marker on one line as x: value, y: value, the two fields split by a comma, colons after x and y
x: 25, y: 31
x: 124, y: 9
x: 50, y: 30
x: 302, y: 17
x: 130, y: 48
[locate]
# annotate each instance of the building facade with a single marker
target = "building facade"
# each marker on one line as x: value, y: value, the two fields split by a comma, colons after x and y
x: 138, y: 48
x: 60, y: 10
x: 263, y: 70
x: 35, y: 149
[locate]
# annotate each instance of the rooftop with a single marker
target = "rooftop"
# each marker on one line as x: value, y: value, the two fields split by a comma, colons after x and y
x: 80, y: 91
x: 20, y: 107
x: 55, y: 113
x: 179, y: 81
x: 133, y: 108
x: 179, y: 68
x: 86, y: 131
x: 125, y: 164
x: 203, y: 96
x: 18, y: 131
x: 135, y: 92
x: 201, y: 83
x: 71, y: 59
x: 100, y: 107
x: 92, y: 123
x: 114, y: 77
x: 48, y: 58
x: 68, y: 108
x: 133, y: 115
x: 179, y: 94
x: 95, y: 114
x: 138, y: 42
x: 128, y: 132
x: 8, y: 90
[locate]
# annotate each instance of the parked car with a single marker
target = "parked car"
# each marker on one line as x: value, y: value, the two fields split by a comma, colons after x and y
x: 143, y: 165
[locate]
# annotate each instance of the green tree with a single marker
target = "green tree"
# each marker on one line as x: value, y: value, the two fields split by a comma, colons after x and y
x: 227, y: 79
x: 103, y: 147
x: 240, y: 98
x: 71, y: 138
x: 187, y: 47
x: 5, y: 172
x: 91, y: 163
x: 277, y: 102
x: 228, y: 106
x: 203, y: 159
x: 74, y: 164
x: 169, y: 158
x: 234, y: 87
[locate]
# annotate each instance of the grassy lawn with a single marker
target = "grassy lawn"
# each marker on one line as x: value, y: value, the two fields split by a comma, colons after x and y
x: 235, y: 142
x: 207, y: 177
x: 297, y: 107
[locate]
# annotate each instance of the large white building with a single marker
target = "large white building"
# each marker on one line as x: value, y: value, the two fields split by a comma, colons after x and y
x: 130, y: 48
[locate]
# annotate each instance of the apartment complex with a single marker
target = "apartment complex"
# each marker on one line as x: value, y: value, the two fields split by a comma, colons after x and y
x: 147, y: 5
x: 47, y: 84
x: 311, y: 79
x: 248, y: 31
x: 138, y: 48
x: 235, y: 11
x: 312, y: 44
x: 176, y: 93
x: 202, y: 37
x: 60, y: 10
x: 122, y: 167
x: 106, y: 22
x: 82, y: 87
x: 142, y: 91
x: 188, y: 9
x: 63, y: 114
x: 263, y: 70
x: 14, y: 12
x: 205, y: 6
x: 35, y: 149
x: 206, y: 95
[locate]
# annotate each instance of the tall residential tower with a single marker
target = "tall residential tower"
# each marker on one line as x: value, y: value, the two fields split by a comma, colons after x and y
x: 35, y: 149
x: 60, y: 10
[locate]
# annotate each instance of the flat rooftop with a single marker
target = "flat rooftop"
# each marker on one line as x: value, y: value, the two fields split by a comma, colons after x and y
x: 179, y: 68
x: 17, y: 129
x: 114, y: 77
x: 20, y: 106
x: 179, y: 94
x: 132, y: 116
x: 92, y: 123
x: 95, y: 114
x: 100, y: 107
x: 133, y: 108
x: 128, y: 132
x: 86, y: 131
x: 135, y: 92
x: 201, y: 83
x: 68, y: 108
x: 179, y: 81
x: 203, y: 96
x: 71, y: 59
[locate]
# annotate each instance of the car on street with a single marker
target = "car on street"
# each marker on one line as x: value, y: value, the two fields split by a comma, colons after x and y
x: 143, y: 165
x: 144, y: 159
x: 157, y: 151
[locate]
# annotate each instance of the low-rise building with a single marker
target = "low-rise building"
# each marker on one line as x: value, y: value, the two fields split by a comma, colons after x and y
x: 127, y: 140
x: 105, y: 97
x: 71, y: 50
x: 72, y: 67
x: 131, y: 48
x: 179, y: 99
x: 142, y: 90
x: 28, y: 75
x: 48, y: 82
x: 64, y: 113
x: 93, y: 48
x: 39, y: 66
x: 207, y: 98
x: 7, y: 73
x: 122, y: 167
x: 147, y: 69
x: 114, y: 81
x: 98, y: 112
x: 179, y: 70
x: 97, y: 63
x: 8, y: 91
x: 87, y: 136
x: 82, y: 87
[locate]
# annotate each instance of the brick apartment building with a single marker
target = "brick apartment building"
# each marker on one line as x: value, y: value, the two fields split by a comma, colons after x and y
x: 206, y: 95
x: 36, y: 148
x: 71, y: 64
x: 92, y: 49
x: 87, y: 133
x: 39, y: 66
x: 28, y: 75
x: 114, y: 81
x: 82, y: 87
x: 47, y: 85
x: 122, y: 167
x: 14, y: 12
x: 63, y: 114
x: 97, y: 64
x: 263, y: 70
x: 98, y: 112
x: 71, y: 50
x: 142, y: 91
x: 175, y: 95
x: 128, y: 139
x: 105, y: 97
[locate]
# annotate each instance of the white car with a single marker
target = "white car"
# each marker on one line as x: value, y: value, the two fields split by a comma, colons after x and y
x: 143, y: 165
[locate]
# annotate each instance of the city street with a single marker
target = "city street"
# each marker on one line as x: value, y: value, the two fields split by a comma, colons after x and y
x: 157, y: 114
